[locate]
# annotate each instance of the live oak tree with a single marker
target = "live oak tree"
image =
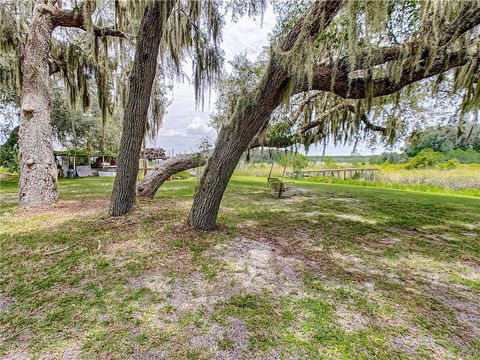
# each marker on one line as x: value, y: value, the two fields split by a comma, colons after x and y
x: 175, y: 29
x: 33, y: 48
x: 358, y: 50
x: 317, y: 117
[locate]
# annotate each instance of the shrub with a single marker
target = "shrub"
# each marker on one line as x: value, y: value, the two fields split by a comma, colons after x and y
x: 330, y: 162
x: 9, y: 159
x: 467, y: 156
x: 449, y: 164
x: 426, y: 158
x: 297, y: 160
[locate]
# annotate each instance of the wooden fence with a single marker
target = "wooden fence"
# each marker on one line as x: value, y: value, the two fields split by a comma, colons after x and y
x: 363, y: 173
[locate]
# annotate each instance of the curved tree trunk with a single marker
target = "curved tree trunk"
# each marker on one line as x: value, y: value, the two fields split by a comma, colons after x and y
x: 233, y: 140
x: 150, y: 184
x: 38, y: 171
x: 251, y: 116
x: 140, y: 88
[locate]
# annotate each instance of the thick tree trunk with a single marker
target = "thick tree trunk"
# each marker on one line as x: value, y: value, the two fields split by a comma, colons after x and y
x: 149, y: 186
x: 252, y: 114
x: 140, y: 88
x: 233, y: 140
x: 38, y: 171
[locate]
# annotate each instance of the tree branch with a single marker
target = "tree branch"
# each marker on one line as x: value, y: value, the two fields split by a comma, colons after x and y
x: 361, y: 87
x: 371, y: 126
x: 466, y: 21
x: 322, y: 11
x: 345, y: 105
x: 358, y: 88
x: 150, y: 184
x: 322, y: 117
x: 304, y: 103
x: 75, y: 19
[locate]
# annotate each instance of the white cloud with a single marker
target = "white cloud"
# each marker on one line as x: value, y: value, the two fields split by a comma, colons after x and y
x: 199, y: 127
x: 185, y: 125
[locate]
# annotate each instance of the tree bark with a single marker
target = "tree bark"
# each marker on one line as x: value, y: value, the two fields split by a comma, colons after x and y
x: 140, y: 88
x: 232, y: 141
x: 151, y: 183
x: 38, y: 171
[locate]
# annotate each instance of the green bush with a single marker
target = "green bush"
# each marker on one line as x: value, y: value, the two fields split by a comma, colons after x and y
x: 330, y: 162
x: 297, y: 161
x: 449, y: 164
x: 467, y: 156
x: 426, y: 158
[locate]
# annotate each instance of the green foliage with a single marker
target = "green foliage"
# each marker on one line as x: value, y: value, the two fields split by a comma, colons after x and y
x: 426, y: 158
x: 468, y: 156
x: 244, y: 76
x: 296, y: 160
x: 299, y: 162
x: 390, y: 157
x: 418, y: 187
x: 259, y: 155
x: 75, y: 129
x: 9, y: 152
x: 444, y: 139
x: 449, y: 164
x: 330, y: 162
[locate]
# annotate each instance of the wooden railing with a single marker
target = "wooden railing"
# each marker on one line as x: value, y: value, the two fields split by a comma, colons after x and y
x: 363, y: 173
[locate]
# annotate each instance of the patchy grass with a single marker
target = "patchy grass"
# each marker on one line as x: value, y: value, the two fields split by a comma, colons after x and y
x: 331, y: 271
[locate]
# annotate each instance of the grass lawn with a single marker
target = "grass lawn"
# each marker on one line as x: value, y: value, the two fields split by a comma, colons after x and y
x: 330, y: 271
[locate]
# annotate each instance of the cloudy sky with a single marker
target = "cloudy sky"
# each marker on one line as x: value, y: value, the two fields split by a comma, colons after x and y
x: 184, y: 126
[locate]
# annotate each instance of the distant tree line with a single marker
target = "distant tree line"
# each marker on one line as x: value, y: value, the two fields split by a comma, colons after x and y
x: 444, y: 146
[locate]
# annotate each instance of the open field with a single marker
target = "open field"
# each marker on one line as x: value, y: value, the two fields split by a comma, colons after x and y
x: 465, y: 176
x: 330, y: 271
x: 463, y: 180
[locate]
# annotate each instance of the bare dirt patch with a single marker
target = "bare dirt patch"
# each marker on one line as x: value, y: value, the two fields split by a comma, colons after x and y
x: 354, y: 217
x: 5, y: 303
x: 412, y: 345
x: 184, y: 295
x: 17, y: 355
x: 67, y: 207
x: 351, y: 320
x: 292, y: 198
x: 390, y: 241
x: 258, y: 265
x: 223, y: 342
x: 467, y: 313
